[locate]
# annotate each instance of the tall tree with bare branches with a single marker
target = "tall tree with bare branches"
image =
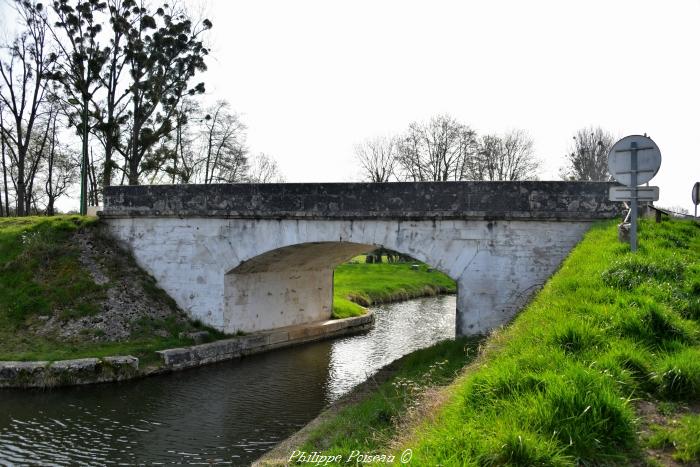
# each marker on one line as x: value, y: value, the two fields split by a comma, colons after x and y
x: 24, y: 73
x: 509, y: 157
x: 435, y: 150
x: 587, y: 159
x: 378, y: 158
x: 79, y: 64
x: 263, y: 168
x: 226, y: 159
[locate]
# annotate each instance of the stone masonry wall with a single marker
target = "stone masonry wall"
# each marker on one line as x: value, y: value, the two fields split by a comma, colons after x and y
x: 424, y: 200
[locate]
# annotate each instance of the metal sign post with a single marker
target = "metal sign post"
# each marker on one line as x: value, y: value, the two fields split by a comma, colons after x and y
x: 696, y: 196
x: 642, y: 164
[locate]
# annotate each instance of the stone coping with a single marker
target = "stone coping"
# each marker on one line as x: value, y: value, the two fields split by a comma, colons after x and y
x: 517, y: 200
x: 44, y: 374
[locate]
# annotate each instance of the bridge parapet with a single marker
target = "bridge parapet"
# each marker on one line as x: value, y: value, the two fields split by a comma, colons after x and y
x: 523, y: 200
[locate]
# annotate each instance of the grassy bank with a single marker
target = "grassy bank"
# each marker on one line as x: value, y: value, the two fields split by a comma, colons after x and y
x: 602, y: 368
x: 358, y: 285
x: 42, y: 278
x: 370, y: 425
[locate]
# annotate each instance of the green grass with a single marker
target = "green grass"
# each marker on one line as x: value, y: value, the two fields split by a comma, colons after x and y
x: 683, y: 438
x: 361, y: 285
x: 368, y: 426
x: 41, y: 275
x: 556, y: 387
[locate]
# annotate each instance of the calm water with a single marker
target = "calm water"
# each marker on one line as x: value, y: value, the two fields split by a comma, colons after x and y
x: 229, y: 412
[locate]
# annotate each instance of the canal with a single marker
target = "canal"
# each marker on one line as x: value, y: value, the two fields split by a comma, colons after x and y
x: 227, y: 413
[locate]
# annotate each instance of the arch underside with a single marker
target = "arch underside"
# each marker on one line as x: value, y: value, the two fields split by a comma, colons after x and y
x: 303, y: 257
x: 286, y: 286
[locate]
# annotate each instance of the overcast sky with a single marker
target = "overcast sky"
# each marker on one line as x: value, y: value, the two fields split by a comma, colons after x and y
x: 312, y: 78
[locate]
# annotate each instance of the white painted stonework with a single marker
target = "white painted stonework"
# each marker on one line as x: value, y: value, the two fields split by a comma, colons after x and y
x: 255, y: 274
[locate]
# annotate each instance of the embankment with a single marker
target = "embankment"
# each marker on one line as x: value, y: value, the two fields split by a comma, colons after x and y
x: 359, y: 285
x: 602, y: 368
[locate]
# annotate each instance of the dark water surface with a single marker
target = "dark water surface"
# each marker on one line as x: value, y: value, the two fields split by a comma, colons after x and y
x: 230, y: 412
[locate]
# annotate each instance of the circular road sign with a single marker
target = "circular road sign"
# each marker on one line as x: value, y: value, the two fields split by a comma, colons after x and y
x: 696, y: 193
x: 620, y: 159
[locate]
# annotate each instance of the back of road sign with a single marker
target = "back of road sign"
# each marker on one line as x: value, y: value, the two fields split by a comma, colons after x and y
x: 696, y: 193
x: 643, y: 193
x: 620, y: 161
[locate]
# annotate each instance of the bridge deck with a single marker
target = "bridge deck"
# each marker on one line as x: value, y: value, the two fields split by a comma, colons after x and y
x: 559, y: 200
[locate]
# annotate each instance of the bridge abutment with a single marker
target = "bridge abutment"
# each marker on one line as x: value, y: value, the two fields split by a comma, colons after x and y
x: 268, y: 300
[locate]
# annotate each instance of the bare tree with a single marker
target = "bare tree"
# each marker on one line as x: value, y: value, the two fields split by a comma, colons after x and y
x: 111, y: 113
x: 184, y: 159
x: 509, y: 157
x: 226, y: 159
x: 264, y: 169
x: 4, y: 168
x: 436, y: 150
x: 36, y: 157
x: 378, y: 158
x: 61, y: 169
x: 76, y: 34
x: 23, y: 88
x: 587, y: 159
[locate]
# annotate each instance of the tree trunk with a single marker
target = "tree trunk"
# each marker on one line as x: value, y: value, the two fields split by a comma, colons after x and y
x: 133, y: 162
x: 49, y: 179
x: 107, y: 174
x: 84, y: 165
x: 4, y: 176
x: 134, y: 165
x: 21, y: 190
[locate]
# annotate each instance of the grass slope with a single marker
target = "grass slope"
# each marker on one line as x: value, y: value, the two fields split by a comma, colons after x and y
x: 368, y: 426
x: 360, y: 285
x: 561, y: 385
x: 41, y: 275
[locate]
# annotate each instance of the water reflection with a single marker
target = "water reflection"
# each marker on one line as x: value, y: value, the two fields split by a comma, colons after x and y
x: 229, y: 413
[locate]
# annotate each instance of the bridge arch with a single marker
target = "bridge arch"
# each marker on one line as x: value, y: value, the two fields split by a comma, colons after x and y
x: 286, y: 286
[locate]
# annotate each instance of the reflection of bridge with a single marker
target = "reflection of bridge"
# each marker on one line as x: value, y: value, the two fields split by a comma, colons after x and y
x: 252, y: 257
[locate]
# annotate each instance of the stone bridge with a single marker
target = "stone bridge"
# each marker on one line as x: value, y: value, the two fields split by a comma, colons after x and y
x: 247, y: 257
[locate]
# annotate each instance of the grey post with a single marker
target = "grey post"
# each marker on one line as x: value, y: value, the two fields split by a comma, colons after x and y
x: 634, y: 170
x: 633, y: 175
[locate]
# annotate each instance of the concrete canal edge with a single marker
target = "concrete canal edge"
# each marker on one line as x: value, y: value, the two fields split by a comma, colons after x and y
x: 44, y: 374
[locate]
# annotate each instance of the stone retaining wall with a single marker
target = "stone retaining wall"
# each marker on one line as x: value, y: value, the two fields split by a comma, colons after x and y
x: 197, y: 355
x: 67, y: 372
x: 43, y: 374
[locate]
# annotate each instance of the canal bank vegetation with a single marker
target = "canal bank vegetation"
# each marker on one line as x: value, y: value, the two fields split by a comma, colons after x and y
x: 602, y: 368
x: 358, y: 285
x: 66, y: 291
